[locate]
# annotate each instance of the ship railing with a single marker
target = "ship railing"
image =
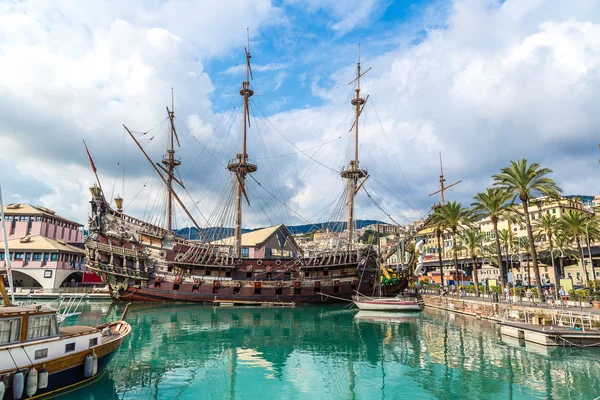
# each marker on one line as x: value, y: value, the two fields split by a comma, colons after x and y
x: 115, y: 249
x: 131, y: 273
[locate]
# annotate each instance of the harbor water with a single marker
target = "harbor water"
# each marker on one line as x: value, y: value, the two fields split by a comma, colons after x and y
x: 327, y: 352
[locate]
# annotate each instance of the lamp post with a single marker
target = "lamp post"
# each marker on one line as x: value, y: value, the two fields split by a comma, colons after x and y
x: 562, y: 254
x: 482, y: 264
x: 587, y: 237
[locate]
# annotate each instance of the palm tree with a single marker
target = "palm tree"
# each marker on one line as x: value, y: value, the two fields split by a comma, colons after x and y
x: 527, y: 181
x: 563, y: 243
x: 438, y: 227
x: 452, y: 216
x: 548, y: 224
x: 573, y: 225
x: 508, y: 240
x: 472, y: 240
x: 525, y: 244
x: 495, y: 204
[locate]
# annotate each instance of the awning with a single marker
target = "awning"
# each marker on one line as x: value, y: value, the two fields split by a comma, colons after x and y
x: 91, y: 277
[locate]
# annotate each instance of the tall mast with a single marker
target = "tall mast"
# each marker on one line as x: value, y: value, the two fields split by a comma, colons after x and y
x: 443, y: 188
x: 353, y: 173
x: 170, y: 163
x: 442, y: 180
x: 240, y: 166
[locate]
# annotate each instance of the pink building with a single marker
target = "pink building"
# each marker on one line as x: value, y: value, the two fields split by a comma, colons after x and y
x: 25, y: 220
x: 46, y: 250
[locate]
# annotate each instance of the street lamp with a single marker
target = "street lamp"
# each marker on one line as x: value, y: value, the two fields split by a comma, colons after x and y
x: 562, y: 255
x: 587, y: 236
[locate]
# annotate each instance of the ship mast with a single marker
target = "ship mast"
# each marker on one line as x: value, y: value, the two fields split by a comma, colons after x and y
x: 170, y: 163
x: 442, y: 180
x: 354, y: 173
x: 240, y: 166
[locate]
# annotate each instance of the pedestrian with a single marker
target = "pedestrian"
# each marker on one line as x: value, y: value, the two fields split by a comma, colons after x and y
x: 453, y: 288
x: 530, y: 296
x: 563, y: 295
x: 507, y: 293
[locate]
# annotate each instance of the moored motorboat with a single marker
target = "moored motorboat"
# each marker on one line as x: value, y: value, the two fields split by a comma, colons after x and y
x: 399, y: 303
x: 39, y: 357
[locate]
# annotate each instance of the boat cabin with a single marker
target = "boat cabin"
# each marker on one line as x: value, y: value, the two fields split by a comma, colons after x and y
x: 23, y: 324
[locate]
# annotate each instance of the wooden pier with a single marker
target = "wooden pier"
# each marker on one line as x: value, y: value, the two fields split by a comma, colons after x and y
x: 552, y: 335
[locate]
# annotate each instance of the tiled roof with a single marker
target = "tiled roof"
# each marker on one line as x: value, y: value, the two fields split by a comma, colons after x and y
x: 26, y: 209
x: 39, y: 242
x: 250, y: 239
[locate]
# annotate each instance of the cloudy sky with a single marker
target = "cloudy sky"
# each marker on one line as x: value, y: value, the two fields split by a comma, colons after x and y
x: 483, y: 81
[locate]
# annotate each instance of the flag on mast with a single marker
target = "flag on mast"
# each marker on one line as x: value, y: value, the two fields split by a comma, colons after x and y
x: 90, y: 157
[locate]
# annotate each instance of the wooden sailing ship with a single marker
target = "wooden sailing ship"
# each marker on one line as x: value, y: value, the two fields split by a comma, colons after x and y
x: 38, y: 357
x: 141, y: 261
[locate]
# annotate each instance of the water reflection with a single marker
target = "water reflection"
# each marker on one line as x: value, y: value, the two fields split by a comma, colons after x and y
x: 190, y: 352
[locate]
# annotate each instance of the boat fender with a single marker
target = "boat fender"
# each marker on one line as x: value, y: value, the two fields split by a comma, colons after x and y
x: 42, y: 378
x: 87, y: 366
x: 2, y: 389
x: 32, y: 382
x: 278, y: 262
x: 94, y: 363
x: 260, y: 262
x: 17, y: 385
x: 238, y: 261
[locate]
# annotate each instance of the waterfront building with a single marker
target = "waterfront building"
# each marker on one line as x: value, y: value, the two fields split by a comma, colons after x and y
x: 46, y: 249
x: 537, y: 207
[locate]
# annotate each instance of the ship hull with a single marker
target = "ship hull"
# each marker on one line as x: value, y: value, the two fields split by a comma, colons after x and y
x: 326, y: 294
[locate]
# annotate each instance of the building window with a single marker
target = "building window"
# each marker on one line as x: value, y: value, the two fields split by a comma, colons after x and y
x: 37, y: 256
x: 41, y: 353
x: 23, y: 218
x: 54, y: 257
x: 2, y: 256
x: 38, y: 218
x: 46, y: 258
x: 19, y: 256
x: 10, y: 330
x: 69, y: 347
x: 554, y: 211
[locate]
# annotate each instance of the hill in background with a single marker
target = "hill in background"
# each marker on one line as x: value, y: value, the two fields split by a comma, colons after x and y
x: 218, y: 233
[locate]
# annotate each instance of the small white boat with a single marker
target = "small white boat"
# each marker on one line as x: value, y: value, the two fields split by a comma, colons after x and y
x: 388, y: 303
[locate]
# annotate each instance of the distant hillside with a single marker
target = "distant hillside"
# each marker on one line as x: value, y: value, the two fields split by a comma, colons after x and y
x: 218, y: 233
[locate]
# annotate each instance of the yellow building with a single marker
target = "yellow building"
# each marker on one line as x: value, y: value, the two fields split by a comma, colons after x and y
x: 537, y: 208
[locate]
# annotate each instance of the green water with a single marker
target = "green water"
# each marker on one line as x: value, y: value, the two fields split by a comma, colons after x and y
x: 194, y: 352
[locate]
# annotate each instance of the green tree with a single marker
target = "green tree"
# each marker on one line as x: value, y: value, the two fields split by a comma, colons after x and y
x: 453, y: 217
x: 437, y: 223
x: 573, y: 225
x: 508, y: 240
x: 548, y: 224
x: 494, y: 203
x: 472, y: 239
x: 527, y: 181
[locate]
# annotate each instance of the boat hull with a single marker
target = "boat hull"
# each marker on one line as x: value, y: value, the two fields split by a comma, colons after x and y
x: 383, y: 305
x: 66, y: 379
x: 246, y: 296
